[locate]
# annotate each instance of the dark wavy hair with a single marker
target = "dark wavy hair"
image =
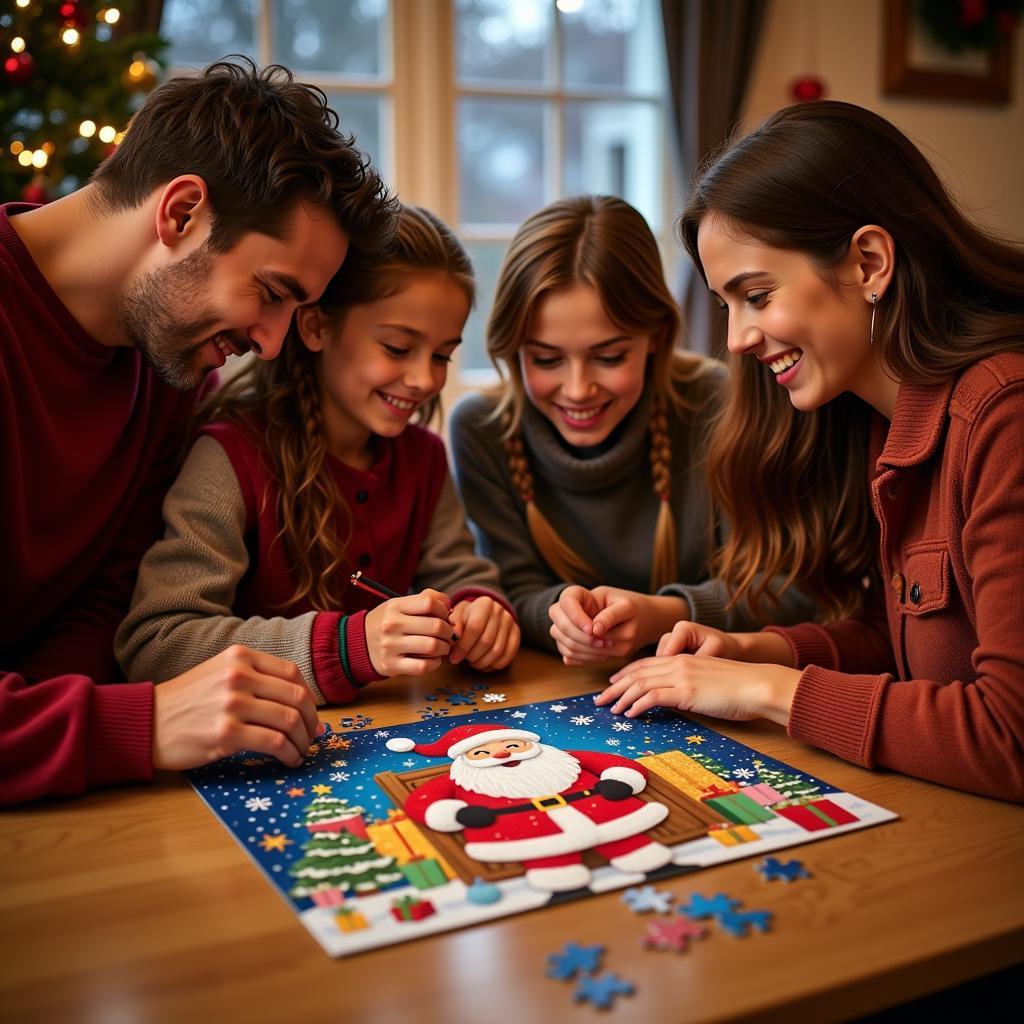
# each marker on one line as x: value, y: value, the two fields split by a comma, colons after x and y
x: 793, y: 485
x: 261, y: 141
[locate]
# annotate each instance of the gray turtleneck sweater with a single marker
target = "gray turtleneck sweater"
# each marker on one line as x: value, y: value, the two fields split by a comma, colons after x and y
x: 603, y: 504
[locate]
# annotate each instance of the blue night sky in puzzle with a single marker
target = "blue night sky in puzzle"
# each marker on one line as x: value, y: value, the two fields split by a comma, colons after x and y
x: 250, y: 792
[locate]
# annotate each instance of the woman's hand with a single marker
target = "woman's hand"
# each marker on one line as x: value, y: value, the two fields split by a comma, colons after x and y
x: 608, y: 622
x: 711, y: 686
x: 409, y: 635
x: 488, y: 636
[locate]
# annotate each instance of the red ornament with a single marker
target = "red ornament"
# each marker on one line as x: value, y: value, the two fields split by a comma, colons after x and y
x: 972, y: 12
x: 808, y: 88
x: 72, y: 15
x: 20, y: 67
x: 35, y: 192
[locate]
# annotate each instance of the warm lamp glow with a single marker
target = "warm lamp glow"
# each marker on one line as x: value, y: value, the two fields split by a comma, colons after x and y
x: 87, y: 129
x: 107, y: 133
x: 25, y: 158
x: 17, y: 44
x: 17, y: 146
x: 70, y: 36
x: 111, y: 15
x: 39, y: 159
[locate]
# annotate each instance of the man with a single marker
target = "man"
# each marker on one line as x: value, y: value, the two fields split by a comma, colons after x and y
x: 521, y: 800
x: 232, y: 200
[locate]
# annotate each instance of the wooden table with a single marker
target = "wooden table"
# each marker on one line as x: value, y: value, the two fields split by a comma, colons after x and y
x: 135, y: 905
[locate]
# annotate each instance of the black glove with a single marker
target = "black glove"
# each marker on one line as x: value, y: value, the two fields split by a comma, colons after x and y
x: 475, y: 817
x: 612, y: 789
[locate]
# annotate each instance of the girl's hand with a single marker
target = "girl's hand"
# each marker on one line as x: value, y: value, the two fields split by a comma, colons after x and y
x: 488, y: 636
x: 708, y: 686
x: 693, y: 638
x: 608, y: 622
x: 408, y: 636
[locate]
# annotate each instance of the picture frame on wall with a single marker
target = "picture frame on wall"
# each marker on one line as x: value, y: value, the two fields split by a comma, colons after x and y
x: 915, y: 65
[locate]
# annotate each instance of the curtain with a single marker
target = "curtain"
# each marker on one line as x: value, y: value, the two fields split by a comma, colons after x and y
x: 710, y: 45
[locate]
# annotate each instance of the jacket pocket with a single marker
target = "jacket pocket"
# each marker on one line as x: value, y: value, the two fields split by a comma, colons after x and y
x: 927, y: 573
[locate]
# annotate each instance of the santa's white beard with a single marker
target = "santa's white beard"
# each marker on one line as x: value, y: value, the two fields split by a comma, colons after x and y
x: 551, y: 771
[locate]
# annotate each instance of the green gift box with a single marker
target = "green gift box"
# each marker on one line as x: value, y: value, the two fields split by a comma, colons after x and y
x: 423, y: 872
x: 740, y: 809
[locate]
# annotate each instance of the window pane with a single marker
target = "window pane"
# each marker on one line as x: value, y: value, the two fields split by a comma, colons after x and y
x: 501, y: 159
x: 328, y: 35
x: 201, y: 31
x: 608, y: 43
x: 486, y: 257
x: 500, y: 41
x: 616, y: 148
x: 367, y: 117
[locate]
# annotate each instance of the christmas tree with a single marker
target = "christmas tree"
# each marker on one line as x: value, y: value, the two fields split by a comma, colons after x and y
x: 341, y: 863
x: 330, y: 812
x: 710, y: 763
x: 72, y: 74
x: 792, y: 787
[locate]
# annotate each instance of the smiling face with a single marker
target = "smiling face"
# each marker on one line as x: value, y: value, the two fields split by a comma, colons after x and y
x: 579, y: 369
x: 811, y: 335
x: 384, y: 360
x: 188, y: 317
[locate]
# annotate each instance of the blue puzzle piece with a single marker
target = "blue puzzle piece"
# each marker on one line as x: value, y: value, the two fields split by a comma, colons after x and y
x: 430, y: 696
x: 647, y: 898
x: 700, y: 907
x: 774, y: 870
x: 602, y: 990
x: 574, y: 959
x: 480, y: 686
x: 738, y: 922
x: 461, y: 698
x: 426, y: 713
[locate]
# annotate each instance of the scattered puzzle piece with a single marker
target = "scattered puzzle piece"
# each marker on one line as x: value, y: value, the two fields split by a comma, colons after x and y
x: 700, y: 907
x: 602, y: 990
x: 774, y: 870
x: 673, y: 934
x: 647, y: 898
x: 574, y: 959
x: 739, y: 921
x: 428, y: 713
x: 462, y: 698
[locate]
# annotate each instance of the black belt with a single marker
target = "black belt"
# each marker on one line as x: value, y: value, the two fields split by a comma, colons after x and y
x: 545, y: 803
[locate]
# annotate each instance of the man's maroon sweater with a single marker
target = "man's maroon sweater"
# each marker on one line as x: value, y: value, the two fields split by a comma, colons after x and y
x: 90, y: 441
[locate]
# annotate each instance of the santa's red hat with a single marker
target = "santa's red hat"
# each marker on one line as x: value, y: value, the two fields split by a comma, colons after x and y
x: 460, y: 739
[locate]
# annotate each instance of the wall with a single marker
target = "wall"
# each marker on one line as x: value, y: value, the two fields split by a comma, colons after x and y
x: 978, y: 149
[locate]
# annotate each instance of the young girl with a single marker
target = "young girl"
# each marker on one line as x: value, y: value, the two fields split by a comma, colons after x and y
x: 872, y: 447
x: 583, y: 473
x: 310, y: 471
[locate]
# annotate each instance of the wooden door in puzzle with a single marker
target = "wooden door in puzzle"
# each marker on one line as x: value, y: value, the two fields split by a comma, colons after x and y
x: 687, y: 819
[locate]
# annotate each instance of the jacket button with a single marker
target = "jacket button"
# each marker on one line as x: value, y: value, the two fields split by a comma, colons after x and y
x: 364, y: 559
x: 897, y: 583
x: 362, y: 496
x: 915, y: 593
x: 893, y: 491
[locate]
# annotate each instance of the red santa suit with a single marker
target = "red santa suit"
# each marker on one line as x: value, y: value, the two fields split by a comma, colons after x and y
x: 548, y: 830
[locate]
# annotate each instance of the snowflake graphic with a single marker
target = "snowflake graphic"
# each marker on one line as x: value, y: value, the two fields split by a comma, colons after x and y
x: 743, y: 773
x: 558, y: 708
x: 582, y: 720
x: 613, y: 742
x: 409, y: 764
x: 518, y: 714
x: 494, y: 698
x: 381, y: 734
x: 339, y: 764
x: 258, y: 803
x: 339, y: 776
x: 622, y: 726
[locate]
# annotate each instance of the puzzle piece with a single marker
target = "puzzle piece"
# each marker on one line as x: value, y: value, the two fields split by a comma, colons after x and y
x: 774, y: 870
x: 602, y: 990
x: 700, y: 907
x: 672, y: 934
x: 428, y: 713
x: 461, y: 698
x: 738, y: 922
x: 574, y: 959
x: 647, y: 898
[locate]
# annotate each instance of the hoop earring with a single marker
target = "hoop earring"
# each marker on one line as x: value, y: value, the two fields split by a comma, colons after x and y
x: 874, y: 306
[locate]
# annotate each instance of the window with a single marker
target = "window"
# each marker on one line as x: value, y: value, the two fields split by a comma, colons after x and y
x: 482, y: 110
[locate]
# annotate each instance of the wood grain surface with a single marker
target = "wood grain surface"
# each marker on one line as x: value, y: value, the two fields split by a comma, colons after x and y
x: 135, y: 905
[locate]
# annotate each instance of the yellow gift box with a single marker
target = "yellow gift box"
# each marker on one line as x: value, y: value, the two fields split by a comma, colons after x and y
x: 398, y: 837
x: 734, y: 835
x: 350, y: 920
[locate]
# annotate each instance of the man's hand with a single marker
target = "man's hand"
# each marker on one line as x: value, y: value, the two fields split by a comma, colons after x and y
x: 239, y: 700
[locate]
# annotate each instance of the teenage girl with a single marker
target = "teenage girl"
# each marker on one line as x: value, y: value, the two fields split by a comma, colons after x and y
x: 584, y: 472
x: 873, y: 447
x: 309, y: 469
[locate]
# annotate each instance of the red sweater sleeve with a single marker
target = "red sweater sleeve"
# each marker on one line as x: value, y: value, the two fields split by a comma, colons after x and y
x: 65, y: 735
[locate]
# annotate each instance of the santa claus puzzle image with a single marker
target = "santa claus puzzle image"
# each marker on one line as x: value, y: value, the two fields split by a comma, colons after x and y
x: 519, y: 800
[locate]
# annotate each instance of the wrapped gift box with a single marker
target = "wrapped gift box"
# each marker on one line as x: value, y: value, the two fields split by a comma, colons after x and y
x: 399, y: 838
x: 739, y: 809
x: 815, y: 815
x: 328, y: 897
x: 349, y: 919
x: 355, y: 824
x: 763, y: 794
x: 733, y: 836
x: 411, y: 908
x: 423, y: 872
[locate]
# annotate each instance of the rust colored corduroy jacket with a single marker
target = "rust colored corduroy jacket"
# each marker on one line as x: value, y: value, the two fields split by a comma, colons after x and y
x: 935, y: 687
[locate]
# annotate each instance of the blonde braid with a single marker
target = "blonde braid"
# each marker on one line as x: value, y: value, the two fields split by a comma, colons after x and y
x: 664, y: 564
x: 566, y: 564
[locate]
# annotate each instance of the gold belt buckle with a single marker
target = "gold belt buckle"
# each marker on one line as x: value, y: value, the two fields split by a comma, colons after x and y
x: 540, y: 801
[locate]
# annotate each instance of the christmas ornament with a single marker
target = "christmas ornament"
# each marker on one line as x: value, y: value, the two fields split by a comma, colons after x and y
x: 810, y: 87
x: 72, y: 15
x: 142, y: 74
x: 20, y: 67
